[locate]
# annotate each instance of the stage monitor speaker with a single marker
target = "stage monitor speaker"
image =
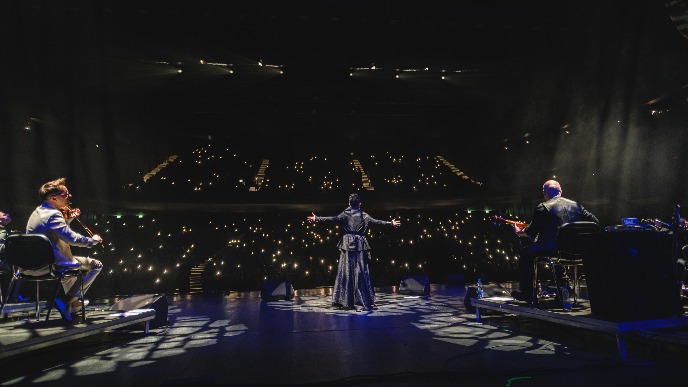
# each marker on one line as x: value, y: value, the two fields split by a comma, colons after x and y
x: 158, y: 302
x: 417, y: 284
x: 276, y: 290
x: 489, y: 290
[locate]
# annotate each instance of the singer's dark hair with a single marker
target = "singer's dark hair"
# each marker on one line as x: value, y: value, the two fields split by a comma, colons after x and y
x: 354, y: 200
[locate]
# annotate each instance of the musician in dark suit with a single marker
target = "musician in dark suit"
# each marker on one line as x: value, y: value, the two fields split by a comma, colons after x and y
x: 353, y: 285
x: 547, y: 218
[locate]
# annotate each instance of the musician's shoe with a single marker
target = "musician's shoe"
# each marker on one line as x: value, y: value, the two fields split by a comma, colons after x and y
x: 62, y: 308
x: 76, y: 306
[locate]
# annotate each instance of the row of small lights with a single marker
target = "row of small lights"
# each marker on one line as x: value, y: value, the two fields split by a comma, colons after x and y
x: 328, y: 183
x: 410, y: 71
x: 314, y: 238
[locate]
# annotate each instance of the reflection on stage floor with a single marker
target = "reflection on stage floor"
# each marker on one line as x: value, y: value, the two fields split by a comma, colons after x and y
x: 239, y: 339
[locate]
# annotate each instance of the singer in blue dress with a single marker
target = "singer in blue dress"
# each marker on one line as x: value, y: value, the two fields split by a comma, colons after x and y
x: 353, y: 285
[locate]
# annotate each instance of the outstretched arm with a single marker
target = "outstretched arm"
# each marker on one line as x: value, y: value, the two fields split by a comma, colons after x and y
x: 313, y: 218
x: 394, y: 222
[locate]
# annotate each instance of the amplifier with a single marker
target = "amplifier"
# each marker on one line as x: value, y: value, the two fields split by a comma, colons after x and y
x: 631, y: 275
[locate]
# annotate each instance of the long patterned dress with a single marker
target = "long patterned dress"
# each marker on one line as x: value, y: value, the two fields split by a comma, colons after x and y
x: 353, y: 285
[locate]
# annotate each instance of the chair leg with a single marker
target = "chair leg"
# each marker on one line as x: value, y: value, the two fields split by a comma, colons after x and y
x: 52, y: 301
x: 38, y: 306
x: 556, y: 281
x: 9, y: 291
x: 548, y: 261
x: 575, y: 284
x: 535, y: 288
x: 83, y: 307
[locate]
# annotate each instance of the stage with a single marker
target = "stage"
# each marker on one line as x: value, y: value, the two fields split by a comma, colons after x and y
x: 241, y: 339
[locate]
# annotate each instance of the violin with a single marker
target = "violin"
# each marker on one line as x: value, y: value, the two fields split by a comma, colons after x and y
x: 69, y: 212
x: 73, y: 213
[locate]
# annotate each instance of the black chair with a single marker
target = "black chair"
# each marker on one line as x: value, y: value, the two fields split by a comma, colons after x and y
x: 35, y: 252
x: 572, y: 241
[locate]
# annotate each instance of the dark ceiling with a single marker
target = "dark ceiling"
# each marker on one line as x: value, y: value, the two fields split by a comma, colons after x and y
x: 483, y: 49
x: 499, y: 58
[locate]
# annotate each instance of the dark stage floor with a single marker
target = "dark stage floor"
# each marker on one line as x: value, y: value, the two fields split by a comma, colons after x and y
x: 409, y: 340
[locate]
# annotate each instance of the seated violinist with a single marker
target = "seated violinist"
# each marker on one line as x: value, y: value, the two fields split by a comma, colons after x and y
x: 49, y: 219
